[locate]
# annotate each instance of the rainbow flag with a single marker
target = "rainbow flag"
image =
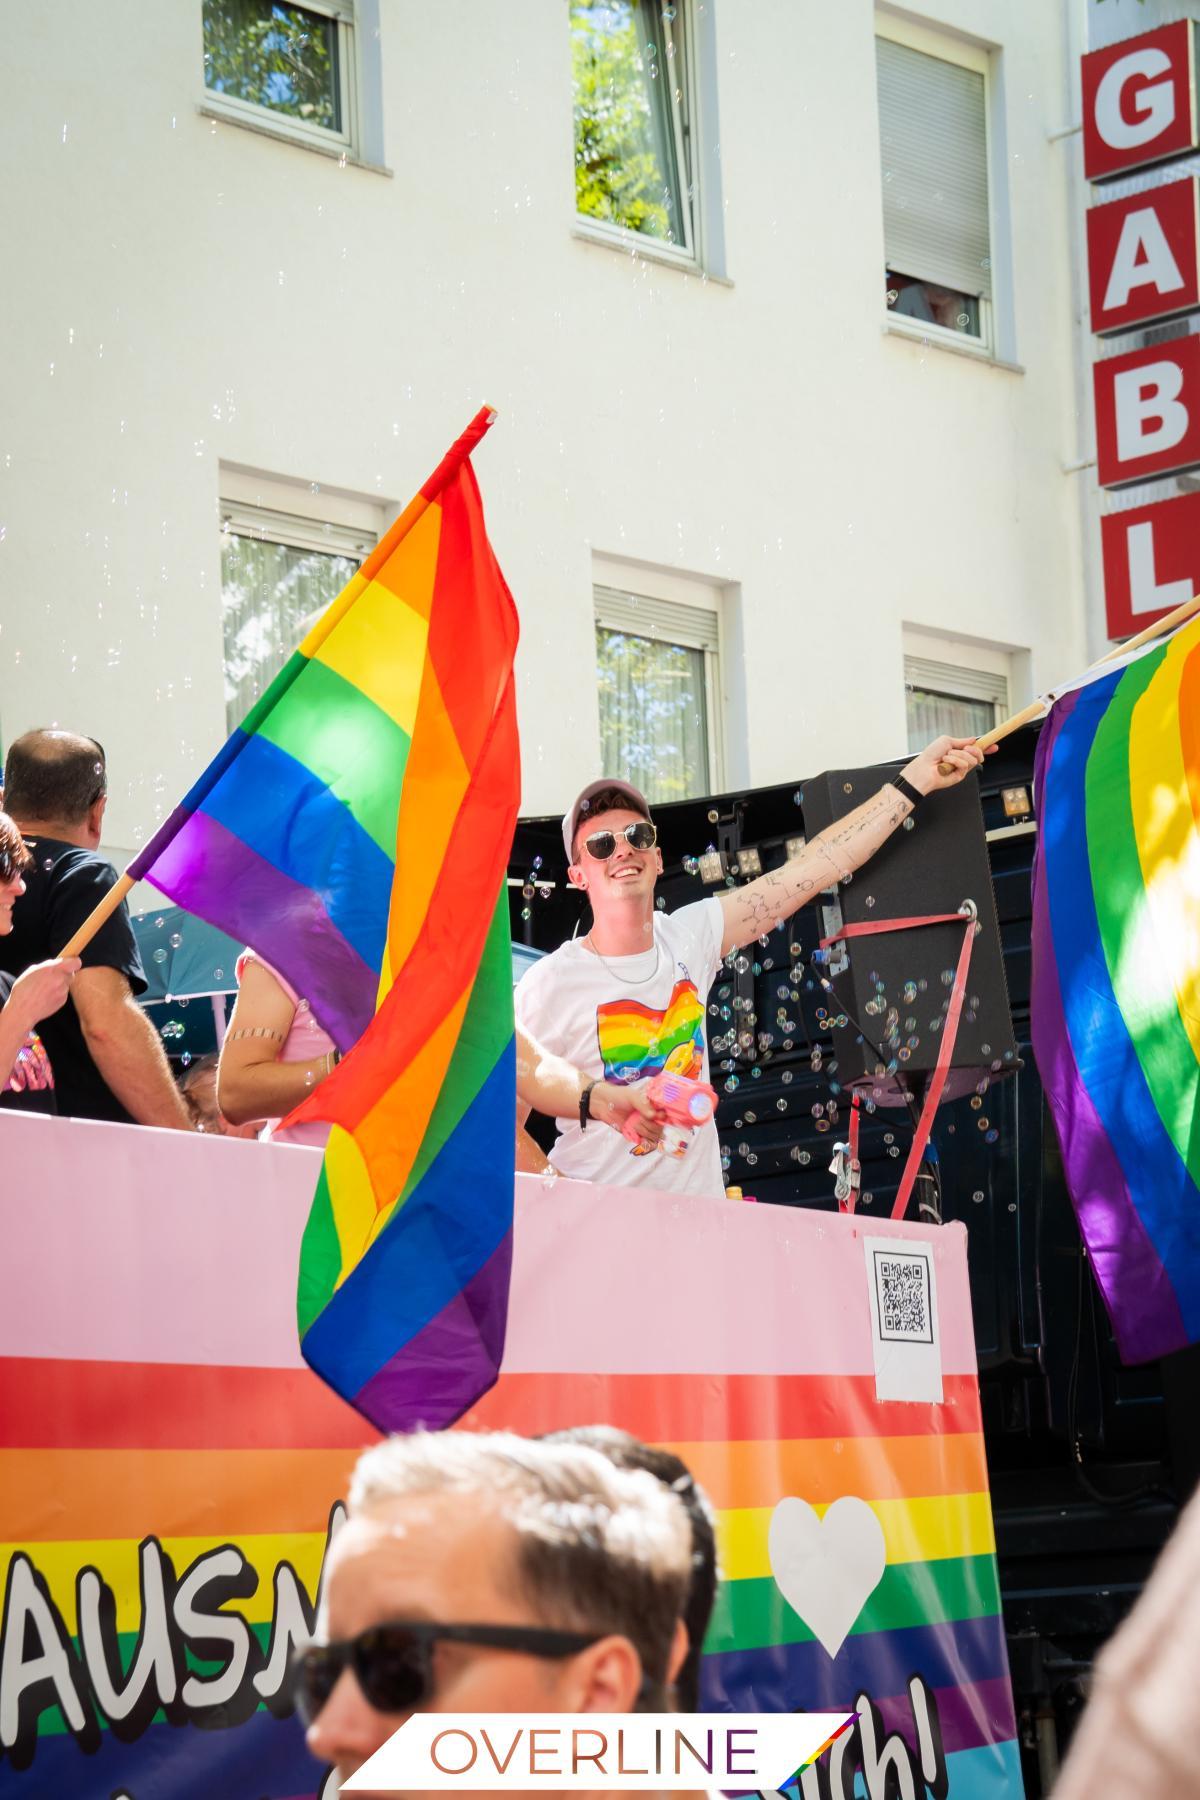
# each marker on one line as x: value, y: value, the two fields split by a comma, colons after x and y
x: 403, y: 1287
x: 1116, y: 980
x: 288, y: 839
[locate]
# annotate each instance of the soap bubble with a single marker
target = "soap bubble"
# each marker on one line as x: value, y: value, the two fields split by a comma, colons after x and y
x: 175, y: 939
x: 991, y: 1137
x: 160, y: 955
x: 172, y: 1030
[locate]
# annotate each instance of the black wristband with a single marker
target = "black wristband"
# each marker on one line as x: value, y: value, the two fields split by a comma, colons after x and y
x: 907, y: 790
x: 585, y: 1105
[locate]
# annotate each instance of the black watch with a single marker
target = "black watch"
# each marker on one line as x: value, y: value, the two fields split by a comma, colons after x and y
x: 585, y: 1105
x: 913, y: 795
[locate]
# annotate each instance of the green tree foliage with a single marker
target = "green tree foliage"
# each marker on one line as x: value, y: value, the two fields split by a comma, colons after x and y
x: 619, y: 173
x: 277, y: 56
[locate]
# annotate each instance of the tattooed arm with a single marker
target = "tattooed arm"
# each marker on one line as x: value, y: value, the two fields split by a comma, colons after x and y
x: 753, y: 910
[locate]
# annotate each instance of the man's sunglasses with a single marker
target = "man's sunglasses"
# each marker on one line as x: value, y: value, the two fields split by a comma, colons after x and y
x: 393, y: 1664
x: 640, y: 836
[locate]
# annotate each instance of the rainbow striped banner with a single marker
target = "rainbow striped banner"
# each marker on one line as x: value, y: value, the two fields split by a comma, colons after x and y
x: 1116, y: 980
x: 155, y: 1416
x: 288, y: 839
x: 755, y: 1363
x: 169, y: 1468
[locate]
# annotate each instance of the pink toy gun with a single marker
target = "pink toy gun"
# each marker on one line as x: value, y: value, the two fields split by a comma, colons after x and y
x: 684, y: 1104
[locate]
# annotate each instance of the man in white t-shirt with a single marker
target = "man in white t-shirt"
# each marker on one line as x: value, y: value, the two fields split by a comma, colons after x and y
x: 629, y: 999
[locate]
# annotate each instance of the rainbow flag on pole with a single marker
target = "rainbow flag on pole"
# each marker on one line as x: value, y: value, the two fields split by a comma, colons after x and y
x: 403, y: 1289
x: 1116, y: 980
x: 288, y: 839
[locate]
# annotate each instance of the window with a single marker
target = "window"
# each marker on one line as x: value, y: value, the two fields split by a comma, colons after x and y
x: 659, y: 672
x: 947, y: 697
x: 279, y: 572
x: 633, y: 93
x: 291, y: 66
x: 933, y: 123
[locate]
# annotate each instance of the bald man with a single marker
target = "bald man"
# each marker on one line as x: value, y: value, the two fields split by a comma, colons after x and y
x: 107, y: 1059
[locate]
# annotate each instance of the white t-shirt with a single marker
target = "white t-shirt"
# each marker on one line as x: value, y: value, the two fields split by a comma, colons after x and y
x: 622, y: 1018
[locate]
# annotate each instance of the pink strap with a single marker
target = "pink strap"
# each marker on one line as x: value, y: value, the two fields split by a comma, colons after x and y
x: 933, y: 1095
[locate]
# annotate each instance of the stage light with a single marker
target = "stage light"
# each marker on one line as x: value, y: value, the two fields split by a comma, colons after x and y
x: 794, y: 846
x: 749, y: 862
x: 1016, y: 802
x: 712, y: 868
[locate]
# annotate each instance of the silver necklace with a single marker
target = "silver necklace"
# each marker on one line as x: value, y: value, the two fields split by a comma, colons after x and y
x: 630, y: 980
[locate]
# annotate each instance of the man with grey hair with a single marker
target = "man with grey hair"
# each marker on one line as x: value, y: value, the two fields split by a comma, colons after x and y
x: 483, y: 1572
x: 108, y: 1062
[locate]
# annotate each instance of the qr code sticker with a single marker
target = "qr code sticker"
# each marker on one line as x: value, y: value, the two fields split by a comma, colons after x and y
x: 902, y: 1290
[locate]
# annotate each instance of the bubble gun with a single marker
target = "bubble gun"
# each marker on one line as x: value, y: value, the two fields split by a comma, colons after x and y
x: 683, y: 1103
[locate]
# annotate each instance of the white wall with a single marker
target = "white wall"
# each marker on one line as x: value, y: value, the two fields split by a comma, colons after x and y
x: 180, y: 293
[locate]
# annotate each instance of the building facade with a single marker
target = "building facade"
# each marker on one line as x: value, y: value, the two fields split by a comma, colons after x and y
x: 780, y: 306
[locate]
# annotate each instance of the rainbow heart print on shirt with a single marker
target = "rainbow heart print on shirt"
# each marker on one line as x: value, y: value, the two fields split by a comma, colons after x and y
x: 637, y: 1041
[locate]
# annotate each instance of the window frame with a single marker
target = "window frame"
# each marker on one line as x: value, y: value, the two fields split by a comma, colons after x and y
x: 280, y: 124
x: 610, y: 589
x: 262, y: 509
x: 947, y: 47
x: 687, y: 136
x: 960, y: 680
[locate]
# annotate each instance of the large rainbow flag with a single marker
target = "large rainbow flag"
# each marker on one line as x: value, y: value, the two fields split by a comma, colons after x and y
x: 288, y: 839
x: 403, y: 1288
x: 1116, y: 980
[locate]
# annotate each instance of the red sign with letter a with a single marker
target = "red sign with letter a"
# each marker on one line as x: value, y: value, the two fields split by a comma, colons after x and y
x: 1148, y: 412
x: 1151, y: 561
x: 1144, y: 256
x: 1139, y: 101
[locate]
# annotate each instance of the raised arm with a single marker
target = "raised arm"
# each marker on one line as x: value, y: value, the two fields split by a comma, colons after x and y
x: 42, y: 989
x: 752, y: 911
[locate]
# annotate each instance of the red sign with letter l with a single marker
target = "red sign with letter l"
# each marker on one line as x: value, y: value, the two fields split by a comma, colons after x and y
x: 1139, y: 101
x: 1151, y: 561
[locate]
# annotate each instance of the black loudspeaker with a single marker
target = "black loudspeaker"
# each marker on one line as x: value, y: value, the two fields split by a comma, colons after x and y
x: 894, y: 989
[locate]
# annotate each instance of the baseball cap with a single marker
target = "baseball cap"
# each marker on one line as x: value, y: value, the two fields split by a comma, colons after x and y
x: 608, y: 784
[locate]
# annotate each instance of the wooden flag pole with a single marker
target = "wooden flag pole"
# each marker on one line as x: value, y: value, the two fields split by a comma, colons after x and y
x: 97, y: 916
x: 1038, y: 708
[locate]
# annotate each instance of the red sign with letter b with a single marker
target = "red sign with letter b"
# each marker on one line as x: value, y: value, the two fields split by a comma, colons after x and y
x: 1148, y: 412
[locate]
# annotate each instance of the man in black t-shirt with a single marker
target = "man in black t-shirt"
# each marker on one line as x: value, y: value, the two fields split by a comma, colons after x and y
x: 107, y: 1059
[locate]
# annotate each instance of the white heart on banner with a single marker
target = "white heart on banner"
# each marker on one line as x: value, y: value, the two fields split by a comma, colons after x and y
x: 826, y: 1567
